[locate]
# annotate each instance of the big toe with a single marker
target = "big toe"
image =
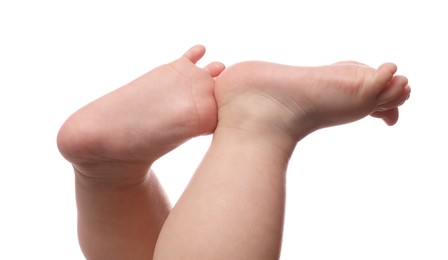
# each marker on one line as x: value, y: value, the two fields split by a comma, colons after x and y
x: 395, y: 89
x: 195, y: 53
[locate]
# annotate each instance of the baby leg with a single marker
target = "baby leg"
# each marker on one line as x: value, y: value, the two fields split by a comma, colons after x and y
x: 234, y: 206
x: 112, y: 143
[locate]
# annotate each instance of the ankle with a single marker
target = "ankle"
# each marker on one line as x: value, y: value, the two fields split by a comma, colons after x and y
x: 109, y: 178
x: 257, y: 140
x: 111, y: 174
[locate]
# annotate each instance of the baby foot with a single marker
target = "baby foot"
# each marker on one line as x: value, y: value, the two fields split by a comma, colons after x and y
x: 259, y: 96
x: 146, y: 118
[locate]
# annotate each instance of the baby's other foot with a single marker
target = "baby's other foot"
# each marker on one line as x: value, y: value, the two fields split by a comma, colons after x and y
x: 260, y: 96
x: 146, y: 118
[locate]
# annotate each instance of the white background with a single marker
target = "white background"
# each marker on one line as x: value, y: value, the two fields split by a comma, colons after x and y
x: 358, y: 191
